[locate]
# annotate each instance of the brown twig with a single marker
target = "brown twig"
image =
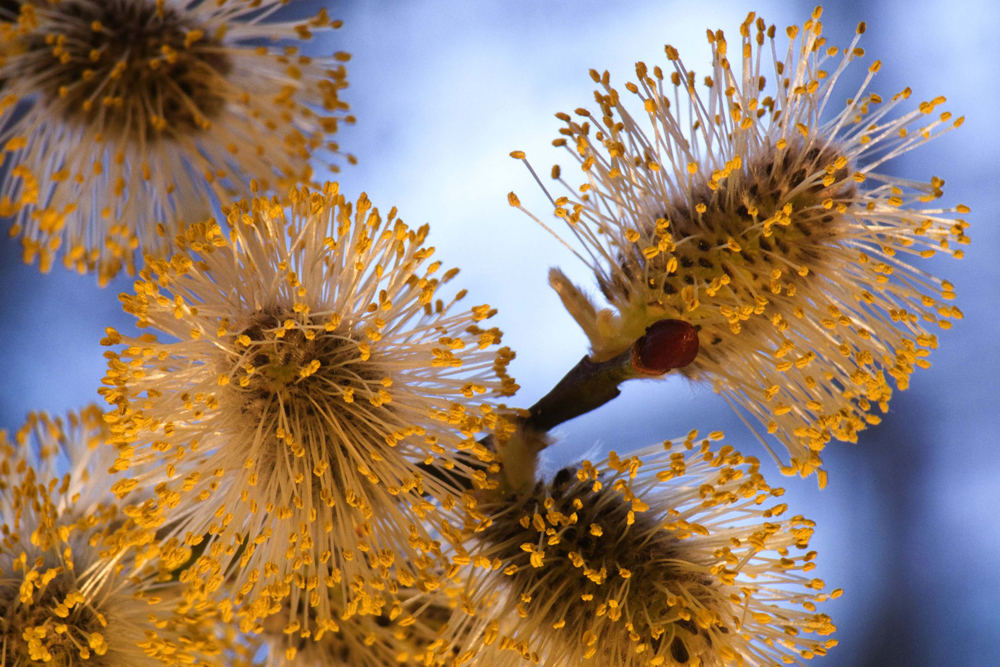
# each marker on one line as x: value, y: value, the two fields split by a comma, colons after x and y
x: 588, y: 386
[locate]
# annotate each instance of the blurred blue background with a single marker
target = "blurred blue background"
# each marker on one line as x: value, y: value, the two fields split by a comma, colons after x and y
x: 443, y: 91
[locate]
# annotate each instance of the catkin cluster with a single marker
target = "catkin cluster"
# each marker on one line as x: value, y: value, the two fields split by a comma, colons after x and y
x: 312, y: 452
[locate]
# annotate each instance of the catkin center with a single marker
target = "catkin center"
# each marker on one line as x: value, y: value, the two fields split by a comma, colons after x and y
x: 127, y: 67
x: 600, y: 565
x: 322, y: 389
x: 778, y: 213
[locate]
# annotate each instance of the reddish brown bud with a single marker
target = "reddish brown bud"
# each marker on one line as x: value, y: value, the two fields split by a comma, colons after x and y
x: 668, y: 344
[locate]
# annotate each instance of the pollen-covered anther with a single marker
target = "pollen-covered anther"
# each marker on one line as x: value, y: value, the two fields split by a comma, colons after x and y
x: 661, y: 558
x: 319, y: 392
x: 769, y: 225
x: 129, y: 55
x: 406, y: 632
x: 127, y: 119
x: 82, y: 584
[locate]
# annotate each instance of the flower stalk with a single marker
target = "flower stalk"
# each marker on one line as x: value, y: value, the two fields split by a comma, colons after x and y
x: 666, y: 345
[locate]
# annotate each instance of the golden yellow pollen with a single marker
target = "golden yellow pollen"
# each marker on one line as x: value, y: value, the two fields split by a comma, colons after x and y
x: 621, y: 560
x: 782, y: 244
x: 320, y: 401
x: 130, y: 88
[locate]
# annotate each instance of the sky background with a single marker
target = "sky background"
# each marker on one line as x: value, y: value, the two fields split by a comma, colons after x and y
x: 443, y: 91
